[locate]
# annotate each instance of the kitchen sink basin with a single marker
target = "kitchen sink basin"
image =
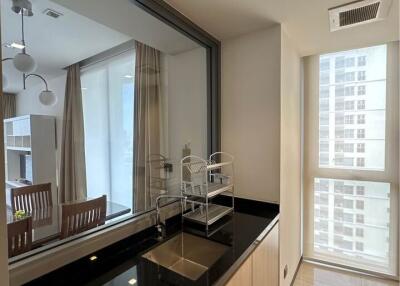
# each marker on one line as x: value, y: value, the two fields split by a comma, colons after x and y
x: 187, y: 255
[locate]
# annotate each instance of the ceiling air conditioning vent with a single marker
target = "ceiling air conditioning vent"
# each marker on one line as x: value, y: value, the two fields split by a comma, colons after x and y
x: 357, y: 13
x: 52, y: 13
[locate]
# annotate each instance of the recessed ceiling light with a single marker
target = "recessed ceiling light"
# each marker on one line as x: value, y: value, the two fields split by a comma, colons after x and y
x: 93, y: 258
x: 15, y: 46
x: 132, y: 281
x: 84, y: 88
x: 128, y: 76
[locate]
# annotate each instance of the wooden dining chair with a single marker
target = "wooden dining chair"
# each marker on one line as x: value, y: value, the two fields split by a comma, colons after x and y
x: 31, y: 197
x: 81, y: 216
x: 19, y: 236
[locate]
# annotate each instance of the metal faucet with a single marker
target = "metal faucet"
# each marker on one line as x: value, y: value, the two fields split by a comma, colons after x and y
x: 159, y: 225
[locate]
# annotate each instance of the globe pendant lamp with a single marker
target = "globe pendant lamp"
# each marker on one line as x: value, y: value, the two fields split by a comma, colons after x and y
x: 46, y: 97
x: 24, y: 63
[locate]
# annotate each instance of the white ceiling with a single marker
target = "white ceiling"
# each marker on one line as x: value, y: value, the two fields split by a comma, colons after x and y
x: 54, y: 43
x: 86, y: 28
x: 127, y: 18
x: 306, y: 22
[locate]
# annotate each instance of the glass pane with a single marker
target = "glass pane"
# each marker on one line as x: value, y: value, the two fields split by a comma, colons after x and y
x: 352, y: 109
x: 351, y: 221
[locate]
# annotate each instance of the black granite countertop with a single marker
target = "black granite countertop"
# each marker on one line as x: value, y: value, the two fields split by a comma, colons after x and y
x: 122, y: 263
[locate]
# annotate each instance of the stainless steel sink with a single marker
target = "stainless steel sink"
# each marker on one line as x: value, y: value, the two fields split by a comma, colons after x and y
x: 187, y: 254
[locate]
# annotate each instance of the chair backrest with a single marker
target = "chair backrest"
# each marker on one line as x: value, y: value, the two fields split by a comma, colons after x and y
x: 31, y: 197
x: 19, y: 236
x: 81, y: 216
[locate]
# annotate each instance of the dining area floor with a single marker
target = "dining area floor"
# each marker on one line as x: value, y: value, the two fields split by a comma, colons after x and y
x: 310, y: 274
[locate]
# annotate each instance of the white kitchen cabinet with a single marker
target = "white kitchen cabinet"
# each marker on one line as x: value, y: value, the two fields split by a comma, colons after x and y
x: 261, y: 268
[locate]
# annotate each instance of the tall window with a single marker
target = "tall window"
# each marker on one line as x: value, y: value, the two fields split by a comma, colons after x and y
x: 356, y: 171
x: 107, y: 95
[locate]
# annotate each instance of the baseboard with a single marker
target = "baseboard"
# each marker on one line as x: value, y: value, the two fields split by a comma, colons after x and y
x: 297, y: 270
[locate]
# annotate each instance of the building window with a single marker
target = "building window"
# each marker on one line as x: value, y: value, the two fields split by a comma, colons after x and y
x: 349, y: 133
x: 349, y: 90
x: 361, y: 75
x: 324, y: 78
x: 349, y: 119
x: 339, y: 90
x: 361, y: 90
x: 324, y: 65
x: 361, y: 133
x: 360, y: 162
x: 361, y: 104
x: 360, y: 218
x: 339, y: 76
x: 360, y: 190
x: 324, y: 92
x: 359, y: 232
x: 350, y: 62
x: 324, y: 146
x: 360, y: 147
x: 324, y: 118
x: 349, y: 76
x: 324, y: 105
x: 348, y: 147
x: 361, y: 118
x: 349, y: 105
x: 359, y: 205
x: 362, y: 61
x: 359, y: 246
x: 339, y: 62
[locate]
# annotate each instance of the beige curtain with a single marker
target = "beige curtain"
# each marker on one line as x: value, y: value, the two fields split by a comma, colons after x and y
x: 72, y: 169
x: 8, y: 105
x: 147, y: 121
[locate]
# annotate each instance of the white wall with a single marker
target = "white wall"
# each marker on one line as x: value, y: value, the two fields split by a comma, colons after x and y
x: 250, y: 112
x: 27, y: 102
x: 290, y: 182
x: 185, y: 84
x: 261, y: 127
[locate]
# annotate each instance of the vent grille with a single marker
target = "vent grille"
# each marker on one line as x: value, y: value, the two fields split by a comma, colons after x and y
x: 52, y: 13
x: 359, y: 15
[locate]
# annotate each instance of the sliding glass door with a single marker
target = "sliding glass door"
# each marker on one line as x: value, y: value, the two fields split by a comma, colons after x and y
x: 351, y: 158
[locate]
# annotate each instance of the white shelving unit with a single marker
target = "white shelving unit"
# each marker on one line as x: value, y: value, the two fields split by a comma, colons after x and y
x: 201, y: 180
x: 33, y: 137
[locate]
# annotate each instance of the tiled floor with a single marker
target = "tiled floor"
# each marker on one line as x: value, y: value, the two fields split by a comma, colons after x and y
x: 315, y: 275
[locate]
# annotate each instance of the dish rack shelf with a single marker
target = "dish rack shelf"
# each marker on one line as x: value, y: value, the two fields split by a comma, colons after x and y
x: 202, y: 180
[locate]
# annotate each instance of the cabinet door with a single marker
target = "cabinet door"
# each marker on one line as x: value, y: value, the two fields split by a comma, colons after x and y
x: 266, y: 260
x: 243, y: 276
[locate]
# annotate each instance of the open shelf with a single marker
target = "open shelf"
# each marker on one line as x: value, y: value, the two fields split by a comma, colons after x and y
x: 215, y: 212
x: 214, y: 189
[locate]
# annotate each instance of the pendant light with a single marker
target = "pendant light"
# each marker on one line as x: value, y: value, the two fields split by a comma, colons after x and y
x: 24, y: 62
x: 46, y: 96
x: 23, y: 7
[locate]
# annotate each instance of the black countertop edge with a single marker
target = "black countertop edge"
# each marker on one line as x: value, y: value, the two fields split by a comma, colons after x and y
x: 246, y: 254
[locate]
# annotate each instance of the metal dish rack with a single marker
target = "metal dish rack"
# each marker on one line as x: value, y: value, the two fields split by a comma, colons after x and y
x: 202, y: 180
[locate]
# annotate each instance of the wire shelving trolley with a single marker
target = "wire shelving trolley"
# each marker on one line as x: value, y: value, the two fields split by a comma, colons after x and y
x: 201, y: 181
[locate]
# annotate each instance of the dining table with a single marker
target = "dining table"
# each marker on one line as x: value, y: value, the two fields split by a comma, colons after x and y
x: 46, y: 222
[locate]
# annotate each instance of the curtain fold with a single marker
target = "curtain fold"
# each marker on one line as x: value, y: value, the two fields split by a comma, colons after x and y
x: 73, y: 168
x: 8, y: 105
x: 146, y: 122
